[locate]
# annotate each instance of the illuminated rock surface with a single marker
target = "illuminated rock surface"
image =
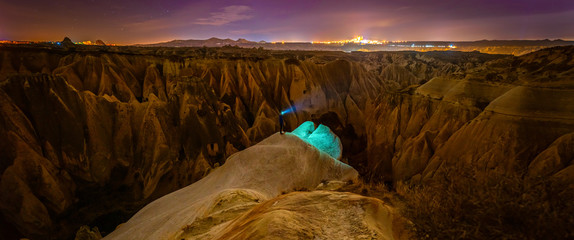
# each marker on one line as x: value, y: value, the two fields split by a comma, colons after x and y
x: 321, y: 137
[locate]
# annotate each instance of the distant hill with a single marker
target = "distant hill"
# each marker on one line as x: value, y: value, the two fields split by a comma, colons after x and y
x: 511, y: 47
x: 212, y: 42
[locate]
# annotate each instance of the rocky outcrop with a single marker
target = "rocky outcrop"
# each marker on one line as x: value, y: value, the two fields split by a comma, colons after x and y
x: 100, y: 43
x: 556, y: 160
x: 499, y: 116
x: 283, y: 162
x: 239, y: 201
x: 95, y: 133
x: 69, y: 145
x: 67, y: 43
x: 311, y: 215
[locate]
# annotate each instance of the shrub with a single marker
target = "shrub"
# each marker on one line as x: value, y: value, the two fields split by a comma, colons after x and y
x: 369, y: 189
x: 468, y: 204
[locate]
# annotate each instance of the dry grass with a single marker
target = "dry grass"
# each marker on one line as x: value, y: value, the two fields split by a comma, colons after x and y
x: 370, y: 189
x: 465, y: 205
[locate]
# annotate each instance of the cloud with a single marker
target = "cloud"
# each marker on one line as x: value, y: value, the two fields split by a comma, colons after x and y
x: 262, y: 30
x: 227, y: 15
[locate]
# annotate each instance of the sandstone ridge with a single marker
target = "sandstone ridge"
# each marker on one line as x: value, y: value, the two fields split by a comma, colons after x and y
x: 279, y: 163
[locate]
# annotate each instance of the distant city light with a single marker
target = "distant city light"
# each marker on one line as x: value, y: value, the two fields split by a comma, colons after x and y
x: 422, y: 46
x: 51, y: 42
x: 357, y: 40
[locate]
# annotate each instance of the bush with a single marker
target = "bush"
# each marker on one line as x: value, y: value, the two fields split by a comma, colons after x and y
x: 467, y: 204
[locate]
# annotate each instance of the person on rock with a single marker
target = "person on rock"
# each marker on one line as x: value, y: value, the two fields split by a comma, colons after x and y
x: 281, y: 123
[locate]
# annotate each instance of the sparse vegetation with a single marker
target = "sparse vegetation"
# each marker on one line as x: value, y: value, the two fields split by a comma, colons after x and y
x: 295, y: 189
x: 465, y: 204
x: 300, y: 189
x: 370, y: 189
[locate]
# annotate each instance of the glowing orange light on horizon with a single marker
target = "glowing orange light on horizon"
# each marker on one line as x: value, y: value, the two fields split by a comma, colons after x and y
x: 357, y: 40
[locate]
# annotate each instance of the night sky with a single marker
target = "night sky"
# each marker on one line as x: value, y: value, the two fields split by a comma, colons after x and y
x: 147, y: 21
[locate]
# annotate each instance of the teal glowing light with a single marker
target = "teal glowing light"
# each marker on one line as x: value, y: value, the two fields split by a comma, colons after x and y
x: 321, y: 138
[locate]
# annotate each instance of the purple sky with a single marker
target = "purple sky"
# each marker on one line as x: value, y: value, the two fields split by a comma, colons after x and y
x: 146, y: 21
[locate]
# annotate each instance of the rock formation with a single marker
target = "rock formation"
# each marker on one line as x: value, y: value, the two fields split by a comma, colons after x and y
x: 307, y: 215
x: 497, y: 116
x: 279, y: 163
x: 67, y: 43
x: 94, y: 134
x: 100, y: 43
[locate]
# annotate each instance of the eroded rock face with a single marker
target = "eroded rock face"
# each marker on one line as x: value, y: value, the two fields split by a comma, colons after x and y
x: 312, y: 215
x: 93, y: 135
x: 498, y: 116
